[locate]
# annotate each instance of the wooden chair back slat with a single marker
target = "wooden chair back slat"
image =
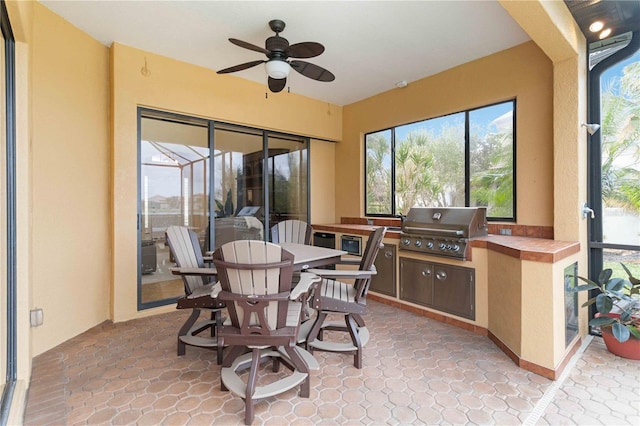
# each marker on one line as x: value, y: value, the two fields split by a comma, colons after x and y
x: 185, y: 248
x: 291, y: 231
x: 374, y: 244
x: 255, y: 268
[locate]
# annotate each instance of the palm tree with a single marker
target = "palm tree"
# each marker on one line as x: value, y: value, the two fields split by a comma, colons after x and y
x: 621, y: 140
x: 378, y: 180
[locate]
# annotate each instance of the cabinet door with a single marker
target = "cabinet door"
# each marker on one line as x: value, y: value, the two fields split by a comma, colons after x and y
x: 384, y: 281
x: 416, y: 281
x: 454, y: 290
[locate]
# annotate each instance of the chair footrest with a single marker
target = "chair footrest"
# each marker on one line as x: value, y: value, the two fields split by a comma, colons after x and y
x: 307, y: 357
x: 323, y: 345
x: 208, y: 342
x: 235, y: 384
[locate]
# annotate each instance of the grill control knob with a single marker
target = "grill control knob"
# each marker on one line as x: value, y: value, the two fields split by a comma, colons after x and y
x: 406, y: 241
x: 418, y: 243
x: 429, y: 244
x: 442, y: 246
x: 455, y: 247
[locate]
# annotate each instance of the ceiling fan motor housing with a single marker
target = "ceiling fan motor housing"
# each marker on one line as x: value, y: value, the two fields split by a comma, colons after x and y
x: 277, y: 45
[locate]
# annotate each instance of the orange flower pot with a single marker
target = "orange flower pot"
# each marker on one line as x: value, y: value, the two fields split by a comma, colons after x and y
x: 629, y: 349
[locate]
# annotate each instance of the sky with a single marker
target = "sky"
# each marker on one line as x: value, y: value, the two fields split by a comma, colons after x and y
x: 616, y: 70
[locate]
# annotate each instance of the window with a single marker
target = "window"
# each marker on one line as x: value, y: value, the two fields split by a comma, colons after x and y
x: 461, y: 159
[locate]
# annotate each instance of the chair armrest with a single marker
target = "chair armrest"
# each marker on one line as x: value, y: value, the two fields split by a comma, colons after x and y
x: 205, y: 290
x: 307, y: 280
x: 216, y: 290
x: 350, y: 261
x: 340, y: 274
x: 194, y: 271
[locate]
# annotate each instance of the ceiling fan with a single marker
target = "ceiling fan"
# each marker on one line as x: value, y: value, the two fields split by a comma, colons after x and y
x: 278, y: 52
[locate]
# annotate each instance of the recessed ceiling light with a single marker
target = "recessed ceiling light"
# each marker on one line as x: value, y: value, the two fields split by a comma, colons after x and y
x: 605, y: 33
x: 401, y: 84
x: 596, y: 26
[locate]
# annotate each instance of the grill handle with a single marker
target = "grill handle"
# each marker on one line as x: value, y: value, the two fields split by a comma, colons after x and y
x: 435, y: 231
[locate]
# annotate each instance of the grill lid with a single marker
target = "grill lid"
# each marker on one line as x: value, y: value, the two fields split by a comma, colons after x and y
x: 460, y: 222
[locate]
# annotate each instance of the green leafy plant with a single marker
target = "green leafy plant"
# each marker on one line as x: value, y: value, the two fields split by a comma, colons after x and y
x: 618, y: 303
x: 226, y: 209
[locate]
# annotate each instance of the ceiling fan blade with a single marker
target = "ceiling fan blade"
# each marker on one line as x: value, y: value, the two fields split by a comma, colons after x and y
x: 249, y: 46
x: 308, y: 49
x: 312, y: 71
x: 276, y: 85
x: 240, y: 67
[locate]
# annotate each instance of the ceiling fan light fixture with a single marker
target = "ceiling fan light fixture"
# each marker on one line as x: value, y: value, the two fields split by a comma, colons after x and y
x: 277, y: 69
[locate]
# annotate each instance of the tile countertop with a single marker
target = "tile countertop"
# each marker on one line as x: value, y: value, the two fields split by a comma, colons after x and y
x: 525, y: 248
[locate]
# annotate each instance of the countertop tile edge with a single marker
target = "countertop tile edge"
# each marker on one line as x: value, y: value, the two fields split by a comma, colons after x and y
x: 523, y: 248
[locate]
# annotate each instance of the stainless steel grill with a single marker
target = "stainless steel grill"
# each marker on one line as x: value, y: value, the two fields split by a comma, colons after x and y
x: 442, y: 231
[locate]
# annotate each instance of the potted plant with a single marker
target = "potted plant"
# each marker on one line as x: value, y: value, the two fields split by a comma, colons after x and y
x: 618, y: 305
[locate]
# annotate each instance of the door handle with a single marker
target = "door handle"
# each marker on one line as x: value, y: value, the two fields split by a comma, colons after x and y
x: 441, y: 275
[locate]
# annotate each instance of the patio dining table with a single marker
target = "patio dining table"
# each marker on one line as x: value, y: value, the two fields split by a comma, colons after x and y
x: 305, y: 257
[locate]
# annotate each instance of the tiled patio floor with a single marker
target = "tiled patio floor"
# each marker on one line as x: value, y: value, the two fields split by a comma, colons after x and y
x: 416, y: 371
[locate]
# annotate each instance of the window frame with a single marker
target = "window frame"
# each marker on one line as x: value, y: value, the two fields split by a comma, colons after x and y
x: 467, y: 158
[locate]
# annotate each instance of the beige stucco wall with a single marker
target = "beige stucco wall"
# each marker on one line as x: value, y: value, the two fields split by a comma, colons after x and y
x: 523, y: 73
x: 543, y: 312
x: 505, y: 299
x: 176, y: 86
x: 552, y: 28
x: 69, y: 173
x: 323, y: 181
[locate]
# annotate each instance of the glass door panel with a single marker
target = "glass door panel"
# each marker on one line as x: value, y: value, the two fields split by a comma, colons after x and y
x: 4, y: 331
x: 238, y: 185
x: 620, y: 166
x: 287, y: 176
x: 174, y: 190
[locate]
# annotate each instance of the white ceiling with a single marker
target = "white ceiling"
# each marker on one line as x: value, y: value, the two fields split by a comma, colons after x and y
x: 370, y: 45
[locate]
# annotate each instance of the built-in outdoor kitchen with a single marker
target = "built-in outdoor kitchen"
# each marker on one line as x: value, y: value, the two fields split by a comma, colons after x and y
x: 449, y: 264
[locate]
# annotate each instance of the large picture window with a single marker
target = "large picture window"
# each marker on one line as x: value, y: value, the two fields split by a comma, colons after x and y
x: 461, y: 159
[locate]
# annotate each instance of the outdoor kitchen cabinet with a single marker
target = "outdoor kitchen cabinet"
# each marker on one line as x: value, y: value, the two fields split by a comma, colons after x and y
x: 416, y: 281
x: 384, y: 282
x: 446, y: 288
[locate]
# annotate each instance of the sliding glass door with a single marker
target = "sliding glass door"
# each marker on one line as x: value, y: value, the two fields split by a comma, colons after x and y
x: 287, y: 177
x: 8, y: 216
x: 238, y: 184
x: 224, y: 182
x: 3, y: 216
x: 174, y: 190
